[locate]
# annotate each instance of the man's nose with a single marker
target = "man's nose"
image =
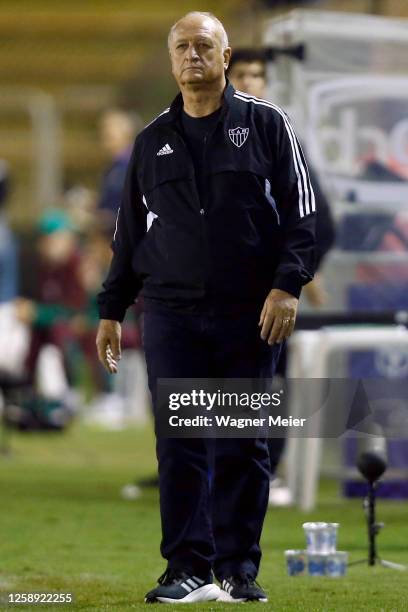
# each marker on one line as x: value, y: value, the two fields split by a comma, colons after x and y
x: 192, y: 52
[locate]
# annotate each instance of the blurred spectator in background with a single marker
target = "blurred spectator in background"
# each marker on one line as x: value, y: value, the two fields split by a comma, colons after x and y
x: 117, y: 131
x: 247, y: 72
x: 80, y: 204
x: 8, y: 245
x: 52, y: 315
x: 59, y: 291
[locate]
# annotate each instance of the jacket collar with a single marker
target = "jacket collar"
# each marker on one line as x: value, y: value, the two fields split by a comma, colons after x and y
x: 177, y: 105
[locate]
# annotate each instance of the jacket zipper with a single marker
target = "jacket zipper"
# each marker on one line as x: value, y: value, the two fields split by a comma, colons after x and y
x: 195, y: 178
x: 197, y: 195
x: 207, y: 137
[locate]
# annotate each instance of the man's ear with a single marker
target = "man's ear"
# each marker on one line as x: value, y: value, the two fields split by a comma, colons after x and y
x: 227, y: 57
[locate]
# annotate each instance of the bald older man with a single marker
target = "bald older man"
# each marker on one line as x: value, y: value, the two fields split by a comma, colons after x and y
x: 216, y: 231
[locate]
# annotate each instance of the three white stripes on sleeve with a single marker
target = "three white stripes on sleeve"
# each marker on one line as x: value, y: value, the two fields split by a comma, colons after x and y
x: 307, y: 203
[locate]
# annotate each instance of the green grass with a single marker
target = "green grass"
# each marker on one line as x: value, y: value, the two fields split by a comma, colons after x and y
x: 64, y: 527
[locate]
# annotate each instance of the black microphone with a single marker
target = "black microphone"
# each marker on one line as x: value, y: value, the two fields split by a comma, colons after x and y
x: 372, y: 463
x: 372, y: 457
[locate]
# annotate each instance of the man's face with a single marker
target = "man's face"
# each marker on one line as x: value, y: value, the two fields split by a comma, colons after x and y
x: 196, y: 52
x: 249, y: 77
x: 116, y: 134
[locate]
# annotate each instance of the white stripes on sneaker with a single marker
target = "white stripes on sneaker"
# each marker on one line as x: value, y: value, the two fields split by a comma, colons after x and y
x: 307, y: 202
x: 192, y: 583
x: 195, y: 582
x: 227, y: 586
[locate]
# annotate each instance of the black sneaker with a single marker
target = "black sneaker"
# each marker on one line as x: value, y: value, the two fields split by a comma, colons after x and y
x: 241, y: 587
x: 180, y: 587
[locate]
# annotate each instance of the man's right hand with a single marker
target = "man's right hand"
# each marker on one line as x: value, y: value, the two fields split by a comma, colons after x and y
x: 108, y: 344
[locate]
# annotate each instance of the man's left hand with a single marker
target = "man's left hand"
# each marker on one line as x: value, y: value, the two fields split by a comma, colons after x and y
x: 278, y: 316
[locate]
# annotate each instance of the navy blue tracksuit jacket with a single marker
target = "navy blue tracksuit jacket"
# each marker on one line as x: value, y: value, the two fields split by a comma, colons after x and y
x: 253, y: 230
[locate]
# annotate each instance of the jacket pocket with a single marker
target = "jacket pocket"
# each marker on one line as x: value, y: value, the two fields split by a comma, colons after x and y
x: 162, y: 171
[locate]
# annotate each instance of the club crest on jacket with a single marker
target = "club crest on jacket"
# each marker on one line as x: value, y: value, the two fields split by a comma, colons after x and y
x: 238, y: 135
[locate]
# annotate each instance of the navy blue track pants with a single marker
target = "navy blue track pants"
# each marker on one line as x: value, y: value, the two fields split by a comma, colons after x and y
x: 219, y: 526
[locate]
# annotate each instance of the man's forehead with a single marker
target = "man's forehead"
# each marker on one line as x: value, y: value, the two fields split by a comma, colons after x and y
x: 191, y: 27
